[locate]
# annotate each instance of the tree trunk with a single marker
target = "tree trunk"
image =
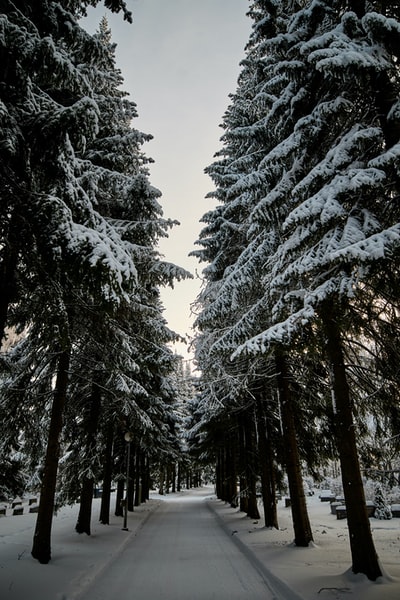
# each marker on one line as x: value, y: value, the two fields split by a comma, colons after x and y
x: 173, y: 478
x: 138, y: 470
x: 364, y: 557
x: 167, y: 478
x: 225, y: 475
x: 248, y: 468
x: 91, y: 425
x: 8, y: 268
x: 119, y: 512
x: 243, y: 486
x: 178, y: 477
x: 198, y: 478
x: 41, y: 549
x: 218, y: 474
x: 232, y: 471
x: 162, y: 482
x: 301, y: 523
x: 130, y: 484
x: 85, y: 509
x: 145, y: 477
x: 7, y: 286
x: 251, y: 466
x: 107, y: 477
x: 266, y: 459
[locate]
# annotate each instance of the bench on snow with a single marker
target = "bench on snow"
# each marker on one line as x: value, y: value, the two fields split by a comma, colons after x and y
x: 340, y: 510
x: 326, y: 496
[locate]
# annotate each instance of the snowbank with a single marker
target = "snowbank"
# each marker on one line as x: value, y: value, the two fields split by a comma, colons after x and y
x: 321, y: 571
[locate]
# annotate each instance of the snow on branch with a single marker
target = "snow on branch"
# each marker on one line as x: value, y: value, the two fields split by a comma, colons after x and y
x: 278, y: 334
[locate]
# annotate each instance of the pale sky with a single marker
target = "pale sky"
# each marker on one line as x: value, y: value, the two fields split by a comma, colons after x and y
x: 180, y: 61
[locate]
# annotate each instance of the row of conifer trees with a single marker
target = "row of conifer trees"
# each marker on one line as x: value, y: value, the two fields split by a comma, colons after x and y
x: 299, y: 314
x: 80, y: 272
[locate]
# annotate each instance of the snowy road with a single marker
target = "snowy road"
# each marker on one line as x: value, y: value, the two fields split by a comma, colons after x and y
x: 182, y: 553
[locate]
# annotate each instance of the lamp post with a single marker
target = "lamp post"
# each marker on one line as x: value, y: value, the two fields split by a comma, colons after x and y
x: 128, y: 439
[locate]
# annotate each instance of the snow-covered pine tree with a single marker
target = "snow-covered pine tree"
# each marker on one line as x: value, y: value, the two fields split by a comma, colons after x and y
x: 254, y: 125
x: 49, y: 115
x: 341, y: 223
x: 382, y: 509
x: 185, y: 385
x: 224, y: 236
x: 69, y: 252
x: 113, y: 172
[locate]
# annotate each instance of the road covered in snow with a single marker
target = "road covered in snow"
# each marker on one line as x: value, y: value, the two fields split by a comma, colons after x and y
x: 185, y: 552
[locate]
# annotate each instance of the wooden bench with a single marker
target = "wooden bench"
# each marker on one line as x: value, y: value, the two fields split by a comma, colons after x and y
x: 370, y: 508
x: 395, y: 508
x: 334, y: 506
x: 341, y: 512
x: 327, y: 496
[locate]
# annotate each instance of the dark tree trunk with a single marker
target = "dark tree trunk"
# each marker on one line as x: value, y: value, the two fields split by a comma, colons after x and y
x: 138, y: 471
x: 224, y: 475
x: 8, y: 268
x: 251, y: 465
x: 162, y: 482
x: 130, y: 485
x: 198, y: 482
x: 248, y: 466
x: 266, y: 459
x: 243, y: 486
x: 218, y: 474
x: 364, y: 557
x: 85, y: 509
x: 41, y: 549
x: 107, y: 477
x: 232, y: 471
x: 178, y: 477
x: 11, y: 245
x: 145, y: 477
x: 173, y: 478
x: 91, y: 425
x: 301, y: 523
x: 227, y: 474
x: 167, y: 478
x: 119, y: 511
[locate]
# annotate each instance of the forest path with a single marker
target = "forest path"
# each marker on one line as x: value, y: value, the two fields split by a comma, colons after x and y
x: 184, y: 553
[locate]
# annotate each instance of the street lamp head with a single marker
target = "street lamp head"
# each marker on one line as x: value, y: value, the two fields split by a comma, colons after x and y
x: 128, y: 436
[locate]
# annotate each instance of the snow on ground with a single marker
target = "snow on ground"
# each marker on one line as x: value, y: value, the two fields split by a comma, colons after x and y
x: 321, y: 571
x: 315, y: 573
x: 76, y: 559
